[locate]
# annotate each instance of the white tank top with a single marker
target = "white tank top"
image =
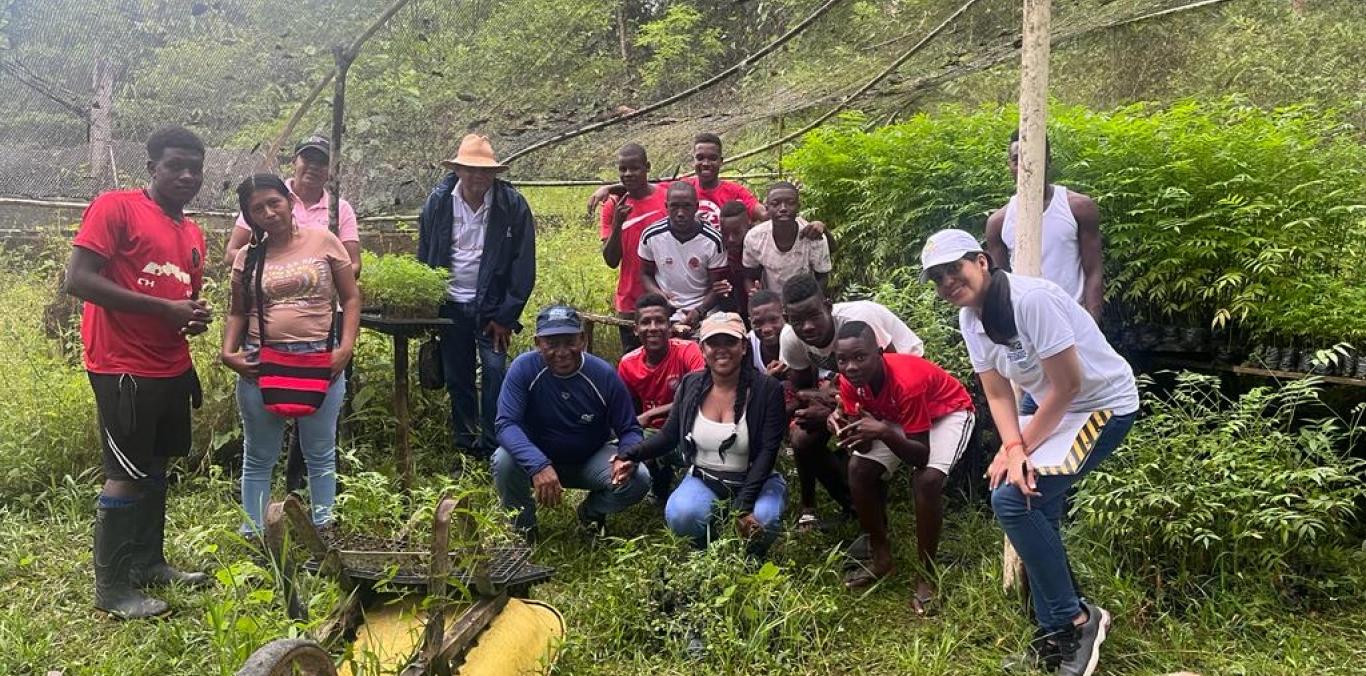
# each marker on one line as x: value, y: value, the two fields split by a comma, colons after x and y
x: 708, y: 435
x: 1061, y: 251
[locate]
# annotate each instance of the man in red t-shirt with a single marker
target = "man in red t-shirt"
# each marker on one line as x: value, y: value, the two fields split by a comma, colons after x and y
x: 633, y: 207
x: 138, y: 263
x: 712, y: 192
x: 651, y: 373
x: 894, y: 409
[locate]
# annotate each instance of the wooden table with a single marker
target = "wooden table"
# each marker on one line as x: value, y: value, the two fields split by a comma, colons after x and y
x: 402, y: 331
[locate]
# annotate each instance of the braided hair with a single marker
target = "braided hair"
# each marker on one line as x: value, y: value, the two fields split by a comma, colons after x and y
x: 255, y: 263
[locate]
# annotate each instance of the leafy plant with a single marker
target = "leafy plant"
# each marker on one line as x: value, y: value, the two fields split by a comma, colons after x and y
x: 1212, y: 490
x: 402, y: 285
x: 1212, y: 211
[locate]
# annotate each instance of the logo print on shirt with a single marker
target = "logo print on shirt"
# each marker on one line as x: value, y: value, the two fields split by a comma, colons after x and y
x: 163, y: 270
x: 1016, y: 353
x: 668, y: 260
x: 587, y: 418
x: 694, y: 262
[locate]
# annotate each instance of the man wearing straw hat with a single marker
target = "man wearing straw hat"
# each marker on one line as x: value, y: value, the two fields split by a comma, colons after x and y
x: 481, y: 229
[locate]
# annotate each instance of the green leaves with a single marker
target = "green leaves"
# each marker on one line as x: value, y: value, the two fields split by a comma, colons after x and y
x: 1214, y: 213
x: 401, y: 285
x: 1217, y: 489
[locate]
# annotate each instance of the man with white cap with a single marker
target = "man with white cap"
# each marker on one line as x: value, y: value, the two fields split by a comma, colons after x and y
x: 561, y: 417
x: 480, y: 229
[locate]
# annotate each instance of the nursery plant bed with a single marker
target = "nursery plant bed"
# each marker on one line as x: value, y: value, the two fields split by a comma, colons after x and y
x: 1254, y: 371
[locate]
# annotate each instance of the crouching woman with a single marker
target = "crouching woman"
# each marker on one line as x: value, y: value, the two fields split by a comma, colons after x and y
x: 280, y: 341
x: 730, y: 420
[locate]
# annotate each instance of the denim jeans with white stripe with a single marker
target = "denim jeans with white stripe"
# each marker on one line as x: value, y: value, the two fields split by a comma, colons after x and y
x: 263, y: 435
x: 1034, y: 528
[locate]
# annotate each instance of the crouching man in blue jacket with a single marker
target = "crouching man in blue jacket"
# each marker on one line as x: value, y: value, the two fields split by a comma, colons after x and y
x: 561, y: 416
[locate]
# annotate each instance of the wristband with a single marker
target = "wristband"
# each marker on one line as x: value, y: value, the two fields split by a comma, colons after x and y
x: 1013, y: 444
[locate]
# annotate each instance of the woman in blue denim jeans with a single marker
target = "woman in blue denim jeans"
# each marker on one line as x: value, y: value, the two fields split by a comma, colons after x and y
x: 1027, y: 332
x: 729, y: 420
x: 287, y: 282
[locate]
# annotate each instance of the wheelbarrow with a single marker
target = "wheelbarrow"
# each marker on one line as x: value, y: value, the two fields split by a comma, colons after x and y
x: 399, y: 616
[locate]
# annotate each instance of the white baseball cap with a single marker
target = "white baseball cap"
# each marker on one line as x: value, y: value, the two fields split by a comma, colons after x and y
x: 946, y: 246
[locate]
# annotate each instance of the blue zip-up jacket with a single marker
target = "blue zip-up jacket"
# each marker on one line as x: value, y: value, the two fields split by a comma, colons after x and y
x: 507, y: 269
x: 545, y: 419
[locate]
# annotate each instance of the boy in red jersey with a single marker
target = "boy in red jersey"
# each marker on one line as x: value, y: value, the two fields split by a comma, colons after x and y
x: 634, y: 207
x: 138, y: 263
x: 894, y: 409
x: 651, y: 373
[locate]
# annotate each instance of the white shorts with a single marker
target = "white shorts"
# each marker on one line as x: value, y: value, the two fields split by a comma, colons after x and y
x: 949, y: 437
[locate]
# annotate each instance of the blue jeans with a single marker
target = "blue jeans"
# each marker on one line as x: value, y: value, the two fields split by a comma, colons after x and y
x: 1027, y: 404
x: 263, y: 434
x: 1034, y: 529
x: 472, y: 413
x: 594, y: 476
x: 691, y: 511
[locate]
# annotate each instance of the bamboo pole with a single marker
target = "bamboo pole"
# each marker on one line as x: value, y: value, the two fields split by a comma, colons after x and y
x: 1032, y: 180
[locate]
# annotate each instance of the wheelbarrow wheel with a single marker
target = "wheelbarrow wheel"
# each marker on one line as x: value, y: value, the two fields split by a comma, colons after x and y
x: 289, y: 657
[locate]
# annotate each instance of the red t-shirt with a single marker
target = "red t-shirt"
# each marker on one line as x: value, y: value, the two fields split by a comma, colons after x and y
x: 710, y: 201
x: 148, y: 252
x: 653, y: 386
x: 916, y: 393
x: 644, y: 213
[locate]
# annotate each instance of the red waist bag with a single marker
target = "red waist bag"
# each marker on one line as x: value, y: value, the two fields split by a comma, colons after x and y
x: 294, y: 384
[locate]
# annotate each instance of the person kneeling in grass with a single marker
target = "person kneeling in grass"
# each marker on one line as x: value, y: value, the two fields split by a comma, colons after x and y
x: 651, y: 373
x: 894, y: 409
x: 730, y: 420
x: 561, y: 416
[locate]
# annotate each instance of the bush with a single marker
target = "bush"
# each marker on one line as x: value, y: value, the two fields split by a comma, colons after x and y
x: 1207, y: 489
x: 1211, y: 210
x: 402, y: 286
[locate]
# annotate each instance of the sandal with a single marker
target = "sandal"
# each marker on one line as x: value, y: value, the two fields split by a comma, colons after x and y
x: 808, y: 522
x: 924, y: 606
x: 862, y: 577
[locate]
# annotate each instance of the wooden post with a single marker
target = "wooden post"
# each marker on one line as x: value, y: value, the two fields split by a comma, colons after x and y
x: 343, y: 58
x: 1031, y: 182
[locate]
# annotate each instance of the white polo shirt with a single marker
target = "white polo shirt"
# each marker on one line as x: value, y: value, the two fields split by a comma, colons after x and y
x: 887, y: 327
x: 467, y: 245
x: 1048, y: 320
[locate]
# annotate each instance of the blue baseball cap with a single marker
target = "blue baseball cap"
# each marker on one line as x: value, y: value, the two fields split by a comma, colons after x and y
x: 558, y: 320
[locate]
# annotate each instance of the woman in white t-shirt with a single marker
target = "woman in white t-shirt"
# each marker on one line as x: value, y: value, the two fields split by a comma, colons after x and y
x: 1028, y: 332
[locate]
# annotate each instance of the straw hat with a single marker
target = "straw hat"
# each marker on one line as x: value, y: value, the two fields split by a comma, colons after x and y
x: 475, y: 151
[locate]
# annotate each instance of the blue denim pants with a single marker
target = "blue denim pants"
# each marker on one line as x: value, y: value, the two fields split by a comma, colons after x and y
x: 1034, y: 529
x: 473, y: 408
x: 594, y: 476
x: 691, y: 511
x: 263, y: 434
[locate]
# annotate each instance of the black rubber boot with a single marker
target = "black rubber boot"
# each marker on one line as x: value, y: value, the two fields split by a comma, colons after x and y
x: 152, y: 569
x: 116, y: 557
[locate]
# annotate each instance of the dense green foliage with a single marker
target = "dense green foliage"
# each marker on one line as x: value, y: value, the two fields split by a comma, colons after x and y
x: 1212, y: 212
x: 402, y: 286
x: 1210, y: 492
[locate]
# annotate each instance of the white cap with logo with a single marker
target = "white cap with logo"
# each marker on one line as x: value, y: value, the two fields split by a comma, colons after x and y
x: 946, y: 246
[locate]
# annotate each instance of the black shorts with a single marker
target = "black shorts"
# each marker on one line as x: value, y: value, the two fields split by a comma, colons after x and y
x: 143, y: 421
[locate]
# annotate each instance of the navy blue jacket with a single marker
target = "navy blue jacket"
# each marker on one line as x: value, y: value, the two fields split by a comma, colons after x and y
x: 507, y: 270
x: 544, y: 419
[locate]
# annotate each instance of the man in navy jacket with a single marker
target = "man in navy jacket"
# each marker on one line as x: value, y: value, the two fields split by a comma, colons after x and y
x: 481, y: 230
x: 561, y: 416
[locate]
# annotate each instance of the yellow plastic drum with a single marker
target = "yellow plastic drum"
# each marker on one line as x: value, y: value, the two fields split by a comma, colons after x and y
x: 524, y: 639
